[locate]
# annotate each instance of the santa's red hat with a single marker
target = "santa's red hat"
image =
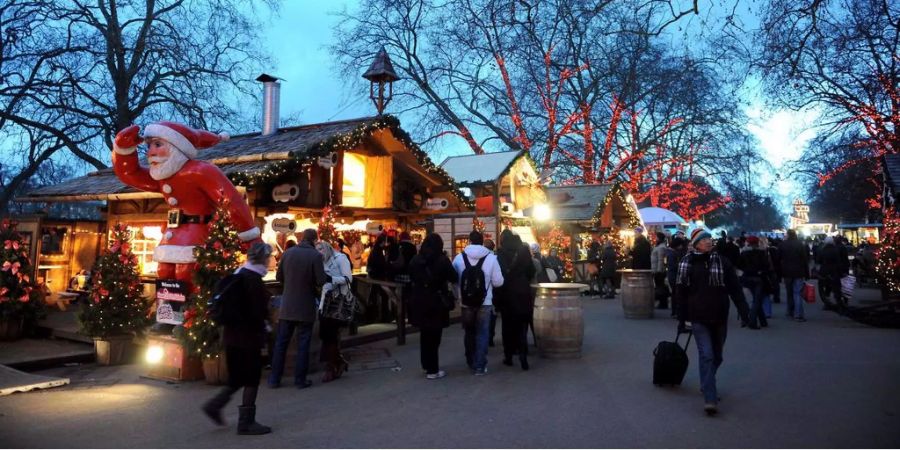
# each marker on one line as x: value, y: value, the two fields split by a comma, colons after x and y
x: 183, y: 137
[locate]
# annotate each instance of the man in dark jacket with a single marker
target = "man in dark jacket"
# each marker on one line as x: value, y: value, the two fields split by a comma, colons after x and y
x: 677, y: 251
x: 640, y: 253
x: 757, y: 273
x: 727, y: 248
x: 794, y: 271
x: 608, y: 267
x: 833, y: 264
x: 301, y: 272
x: 705, y: 283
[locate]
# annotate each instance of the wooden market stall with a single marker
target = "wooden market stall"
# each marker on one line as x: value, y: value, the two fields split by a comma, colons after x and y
x: 368, y: 172
x: 587, y: 212
x: 504, y: 187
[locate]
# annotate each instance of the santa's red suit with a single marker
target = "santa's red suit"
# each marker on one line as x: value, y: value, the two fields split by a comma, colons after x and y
x: 192, y: 193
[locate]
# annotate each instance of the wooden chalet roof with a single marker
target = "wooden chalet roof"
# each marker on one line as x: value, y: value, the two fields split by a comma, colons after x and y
x: 470, y: 170
x: 244, y: 155
x: 577, y: 202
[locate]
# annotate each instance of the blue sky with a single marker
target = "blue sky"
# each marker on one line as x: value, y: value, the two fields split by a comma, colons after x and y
x: 299, y: 36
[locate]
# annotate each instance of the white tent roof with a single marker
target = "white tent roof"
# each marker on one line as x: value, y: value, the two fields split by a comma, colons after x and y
x: 659, y: 216
x: 486, y: 168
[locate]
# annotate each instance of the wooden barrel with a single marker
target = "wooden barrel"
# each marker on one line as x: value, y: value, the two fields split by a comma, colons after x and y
x: 637, y: 294
x: 559, y: 320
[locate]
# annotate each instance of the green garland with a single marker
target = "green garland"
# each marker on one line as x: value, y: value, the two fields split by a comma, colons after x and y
x: 345, y: 142
x: 634, y: 219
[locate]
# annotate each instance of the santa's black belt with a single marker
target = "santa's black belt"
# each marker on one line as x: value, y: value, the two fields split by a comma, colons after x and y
x: 176, y: 218
x: 194, y: 219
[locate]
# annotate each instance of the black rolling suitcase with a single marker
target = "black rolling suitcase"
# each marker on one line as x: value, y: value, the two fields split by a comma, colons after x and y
x: 670, y: 362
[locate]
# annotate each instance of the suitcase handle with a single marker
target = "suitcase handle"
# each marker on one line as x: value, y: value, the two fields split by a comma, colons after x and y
x: 688, y: 342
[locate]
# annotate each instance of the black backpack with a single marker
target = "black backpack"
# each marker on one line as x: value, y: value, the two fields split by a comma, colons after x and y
x: 224, y: 307
x: 472, y: 287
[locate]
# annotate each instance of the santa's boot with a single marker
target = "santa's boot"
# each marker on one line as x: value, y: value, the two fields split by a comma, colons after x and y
x: 247, y: 422
x: 213, y: 408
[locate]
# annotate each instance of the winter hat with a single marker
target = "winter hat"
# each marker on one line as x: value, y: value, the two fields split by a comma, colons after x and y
x: 535, y: 249
x: 184, y: 138
x: 698, y: 235
x: 404, y: 236
x: 753, y: 241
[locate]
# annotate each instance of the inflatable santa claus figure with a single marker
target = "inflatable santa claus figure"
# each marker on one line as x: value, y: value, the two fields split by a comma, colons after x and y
x: 191, y: 189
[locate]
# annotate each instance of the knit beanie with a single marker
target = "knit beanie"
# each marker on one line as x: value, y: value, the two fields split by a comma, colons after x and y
x: 698, y: 235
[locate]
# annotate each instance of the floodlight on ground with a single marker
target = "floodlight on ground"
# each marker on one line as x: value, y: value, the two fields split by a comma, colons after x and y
x: 154, y: 354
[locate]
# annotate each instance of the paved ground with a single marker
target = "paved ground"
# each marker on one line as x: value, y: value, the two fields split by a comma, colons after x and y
x: 829, y: 382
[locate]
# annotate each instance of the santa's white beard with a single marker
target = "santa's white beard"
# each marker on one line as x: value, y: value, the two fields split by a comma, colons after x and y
x: 168, y: 166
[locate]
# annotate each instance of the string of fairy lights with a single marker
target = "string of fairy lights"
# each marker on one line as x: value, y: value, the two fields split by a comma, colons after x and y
x: 634, y: 219
x: 887, y: 257
x: 219, y: 256
x: 344, y: 142
x: 116, y: 306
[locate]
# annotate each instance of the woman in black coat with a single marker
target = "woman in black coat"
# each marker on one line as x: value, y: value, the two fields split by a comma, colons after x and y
x: 243, y: 343
x: 430, y: 271
x: 515, y: 298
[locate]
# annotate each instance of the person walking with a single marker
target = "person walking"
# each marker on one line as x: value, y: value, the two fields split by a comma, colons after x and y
x: 431, y: 271
x: 677, y: 250
x: 658, y: 268
x: 832, y: 263
x: 705, y: 282
x: 754, y: 262
x: 515, y: 297
x: 339, y: 276
x: 794, y: 272
x: 727, y: 248
x: 489, y: 244
x: 554, y: 263
x: 775, y: 259
x: 243, y: 342
x: 640, y: 252
x: 477, y: 319
x: 608, y: 267
x: 301, y: 272
x: 593, y: 268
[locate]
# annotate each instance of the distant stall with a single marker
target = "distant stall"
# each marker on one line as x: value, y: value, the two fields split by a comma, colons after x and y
x: 591, y: 212
x: 504, y: 187
x: 662, y: 220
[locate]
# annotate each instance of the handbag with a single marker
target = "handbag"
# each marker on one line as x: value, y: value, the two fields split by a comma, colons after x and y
x: 444, y: 295
x: 848, y: 284
x: 339, y: 303
x: 808, y: 293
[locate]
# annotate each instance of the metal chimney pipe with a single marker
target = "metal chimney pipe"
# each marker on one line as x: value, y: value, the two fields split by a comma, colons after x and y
x: 271, y: 103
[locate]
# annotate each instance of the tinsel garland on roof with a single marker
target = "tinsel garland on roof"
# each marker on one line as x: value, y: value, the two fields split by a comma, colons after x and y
x: 348, y: 141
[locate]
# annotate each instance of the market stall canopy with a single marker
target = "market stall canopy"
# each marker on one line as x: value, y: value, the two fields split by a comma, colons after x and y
x: 593, y: 205
x: 469, y: 170
x: 249, y: 159
x: 659, y: 216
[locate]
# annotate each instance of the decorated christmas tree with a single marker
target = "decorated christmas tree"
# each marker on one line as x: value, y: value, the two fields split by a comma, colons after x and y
x: 19, y: 297
x: 116, y: 306
x: 887, y: 265
x: 326, y: 225
x: 219, y: 257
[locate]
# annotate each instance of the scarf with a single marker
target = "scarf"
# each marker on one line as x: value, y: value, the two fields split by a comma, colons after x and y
x: 261, y: 269
x: 716, y: 270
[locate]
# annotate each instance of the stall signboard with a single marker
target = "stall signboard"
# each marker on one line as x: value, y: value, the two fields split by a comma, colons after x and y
x: 436, y: 203
x: 285, y: 192
x: 284, y: 225
x: 374, y: 228
x: 484, y: 206
x: 170, y: 297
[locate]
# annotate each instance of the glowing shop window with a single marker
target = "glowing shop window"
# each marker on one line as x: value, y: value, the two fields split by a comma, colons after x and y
x: 354, y: 180
x: 143, y: 241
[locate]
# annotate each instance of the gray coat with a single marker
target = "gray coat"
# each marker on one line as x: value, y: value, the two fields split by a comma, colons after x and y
x: 300, y: 271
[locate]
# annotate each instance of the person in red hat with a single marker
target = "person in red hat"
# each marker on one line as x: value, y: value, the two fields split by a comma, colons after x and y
x: 191, y: 189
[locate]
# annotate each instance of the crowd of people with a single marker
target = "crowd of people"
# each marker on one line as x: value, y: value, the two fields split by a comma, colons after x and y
x: 696, y: 276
